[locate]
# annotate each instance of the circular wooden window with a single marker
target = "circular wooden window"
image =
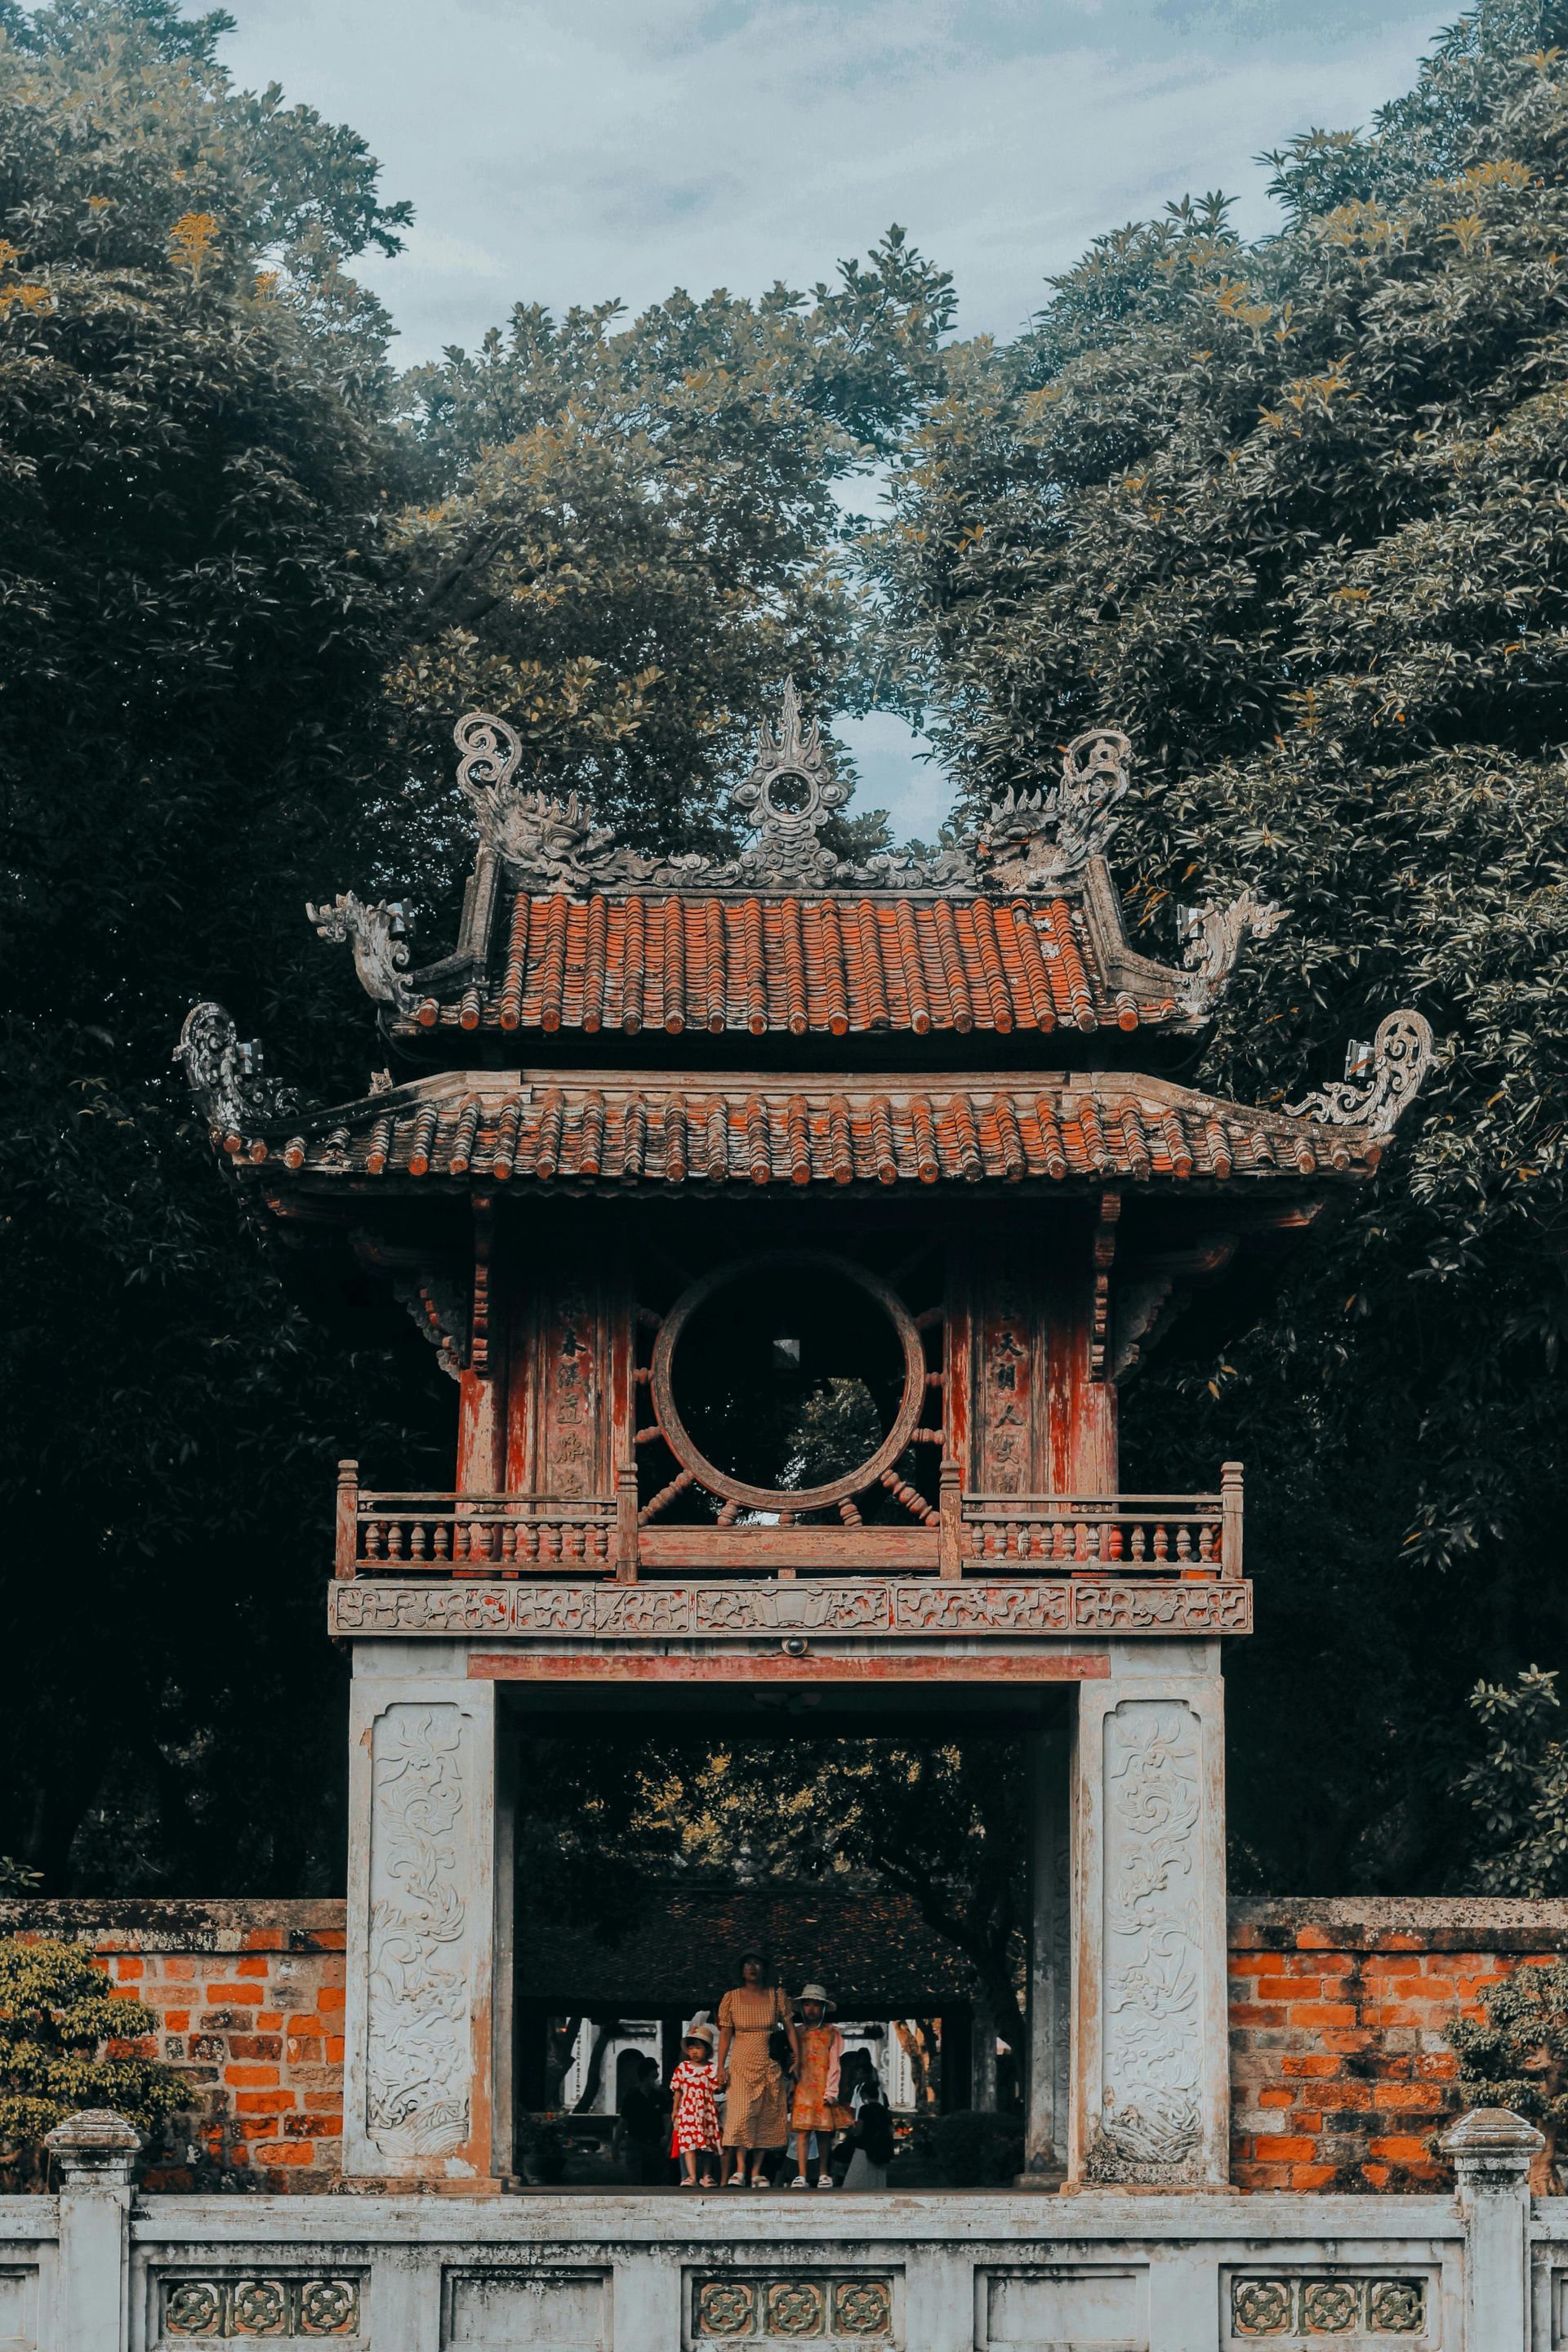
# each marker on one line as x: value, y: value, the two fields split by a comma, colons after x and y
x: 785, y: 1365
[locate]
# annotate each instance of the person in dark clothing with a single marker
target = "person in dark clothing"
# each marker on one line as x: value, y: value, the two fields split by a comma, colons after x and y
x: 644, y: 2126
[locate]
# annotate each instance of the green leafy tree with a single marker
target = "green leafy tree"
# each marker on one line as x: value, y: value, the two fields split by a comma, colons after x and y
x: 1292, y: 513
x: 1518, y: 1787
x: 192, y: 481
x: 1516, y: 2056
x: 633, y: 536
x: 65, y: 2044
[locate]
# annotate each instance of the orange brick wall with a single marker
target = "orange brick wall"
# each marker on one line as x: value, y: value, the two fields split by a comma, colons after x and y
x: 249, y: 2000
x: 1339, y: 2070
x: 1340, y: 2066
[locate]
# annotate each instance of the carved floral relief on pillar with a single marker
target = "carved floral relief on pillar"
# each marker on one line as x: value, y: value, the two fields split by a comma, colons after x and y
x: 1150, y: 2128
x: 420, y: 1960
x: 569, y: 1409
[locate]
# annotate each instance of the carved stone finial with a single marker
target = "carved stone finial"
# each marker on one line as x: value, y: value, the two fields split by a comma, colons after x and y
x: 94, y: 2148
x: 1379, y: 1078
x: 1039, y: 843
x: 379, y: 937
x: 789, y: 795
x: 224, y: 1076
x: 1211, y: 940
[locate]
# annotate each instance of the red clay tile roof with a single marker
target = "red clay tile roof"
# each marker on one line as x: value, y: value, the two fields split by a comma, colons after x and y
x: 579, y: 1129
x: 792, y: 966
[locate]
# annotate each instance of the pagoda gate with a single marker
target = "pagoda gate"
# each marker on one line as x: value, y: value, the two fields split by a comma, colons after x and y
x: 789, y: 1226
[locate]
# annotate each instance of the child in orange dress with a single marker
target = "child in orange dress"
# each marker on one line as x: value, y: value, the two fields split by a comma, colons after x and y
x: 816, y: 2107
x: 695, y: 2120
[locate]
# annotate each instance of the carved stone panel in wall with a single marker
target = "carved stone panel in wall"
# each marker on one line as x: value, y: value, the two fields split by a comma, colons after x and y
x: 1149, y: 2128
x: 420, y: 1960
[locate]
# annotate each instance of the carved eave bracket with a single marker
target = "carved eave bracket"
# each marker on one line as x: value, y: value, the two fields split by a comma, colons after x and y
x: 1212, y: 938
x: 441, y: 1303
x: 224, y: 1076
x: 1380, y: 1080
x: 378, y: 935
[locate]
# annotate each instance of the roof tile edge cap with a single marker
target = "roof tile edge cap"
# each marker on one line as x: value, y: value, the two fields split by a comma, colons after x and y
x: 224, y: 1072
x: 1380, y: 1080
x: 1485, y: 2135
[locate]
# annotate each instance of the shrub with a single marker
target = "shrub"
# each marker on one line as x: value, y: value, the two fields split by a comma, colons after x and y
x: 977, y: 2149
x: 63, y: 2047
x: 1518, y: 2057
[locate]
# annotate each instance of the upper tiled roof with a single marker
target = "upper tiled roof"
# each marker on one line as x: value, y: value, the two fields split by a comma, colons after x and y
x: 797, y: 966
x: 1014, y: 926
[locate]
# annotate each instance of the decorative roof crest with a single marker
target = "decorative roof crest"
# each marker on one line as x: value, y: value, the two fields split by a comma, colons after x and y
x: 1212, y: 937
x: 379, y: 936
x: 224, y: 1076
x: 1379, y: 1078
x: 546, y: 842
x: 788, y: 796
x: 1038, y: 844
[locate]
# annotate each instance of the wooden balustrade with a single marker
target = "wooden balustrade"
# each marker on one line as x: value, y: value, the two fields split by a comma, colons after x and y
x: 1007, y: 1535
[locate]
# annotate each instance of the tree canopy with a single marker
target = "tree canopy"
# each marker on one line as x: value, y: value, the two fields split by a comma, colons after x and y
x: 1290, y: 510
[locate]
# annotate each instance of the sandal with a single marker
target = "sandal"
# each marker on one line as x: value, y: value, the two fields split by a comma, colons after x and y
x: 799, y: 2181
x: 736, y: 2180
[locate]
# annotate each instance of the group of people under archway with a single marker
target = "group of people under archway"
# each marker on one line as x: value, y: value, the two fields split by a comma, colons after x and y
x: 779, y: 2073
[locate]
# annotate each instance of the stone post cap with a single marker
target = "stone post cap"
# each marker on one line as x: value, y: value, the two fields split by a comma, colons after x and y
x: 96, y: 2143
x: 1491, y: 2136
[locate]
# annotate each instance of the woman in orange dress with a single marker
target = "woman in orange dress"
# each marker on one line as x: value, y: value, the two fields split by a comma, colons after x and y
x: 756, y: 2117
x: 818, y: 2106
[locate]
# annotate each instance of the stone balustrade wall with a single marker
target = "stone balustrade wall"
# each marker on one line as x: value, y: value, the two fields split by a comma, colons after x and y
x: 1340, y: 2075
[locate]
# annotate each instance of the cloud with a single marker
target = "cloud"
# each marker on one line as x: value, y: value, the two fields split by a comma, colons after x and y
x: 564, y: 153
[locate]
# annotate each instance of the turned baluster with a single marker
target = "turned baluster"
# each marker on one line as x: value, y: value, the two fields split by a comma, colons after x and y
x: 419, y: 1546
x: 1162, y: 1542
x: 1139, y: 1542
x: 1205, y: 1543
x: 1184, y: 1543
x: 397, y: 1540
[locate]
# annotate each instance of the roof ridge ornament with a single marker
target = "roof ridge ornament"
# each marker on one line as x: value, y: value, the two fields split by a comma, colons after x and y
x: 1038, y: 842
x: 1380, y: 1080
x: 1212, y: 937
x: 378, y: 935
x: 224, y: 1076
x: 547, y: 841
x: 786, y: 848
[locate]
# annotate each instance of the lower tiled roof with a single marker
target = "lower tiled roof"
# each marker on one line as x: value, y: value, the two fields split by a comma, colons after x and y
x: 580, y: 1131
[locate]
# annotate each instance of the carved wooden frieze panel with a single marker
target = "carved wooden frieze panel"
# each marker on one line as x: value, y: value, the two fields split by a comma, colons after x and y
x: 1149, y: 2128
x: 894, y: 1608
x: 419, y: 2056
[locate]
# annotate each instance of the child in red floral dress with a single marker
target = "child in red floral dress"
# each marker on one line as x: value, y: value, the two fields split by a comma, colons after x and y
x: 696, y: 2116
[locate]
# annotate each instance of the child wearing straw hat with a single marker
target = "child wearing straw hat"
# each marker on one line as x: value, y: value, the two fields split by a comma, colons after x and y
x: 695, y: 2120
x: 816, y: 2107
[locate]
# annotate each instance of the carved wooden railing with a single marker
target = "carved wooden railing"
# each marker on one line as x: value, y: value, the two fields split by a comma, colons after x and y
x: 977, y: 1534
x: 1109, y: 1534
x: 473, y: 1534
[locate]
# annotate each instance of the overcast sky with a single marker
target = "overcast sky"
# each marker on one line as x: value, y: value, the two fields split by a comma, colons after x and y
x: 568, y: 150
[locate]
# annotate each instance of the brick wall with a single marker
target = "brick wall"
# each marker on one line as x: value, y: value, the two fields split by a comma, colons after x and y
x: 1340, y: 2068
x: 1340, y: 2071
x: 249, y: 2000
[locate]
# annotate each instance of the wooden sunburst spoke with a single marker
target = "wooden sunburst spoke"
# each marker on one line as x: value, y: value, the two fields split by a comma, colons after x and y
x: 929, y: 1317
x: 925, y: 1437
x: 849, y: 1514
x: 913, y: 1501
x: 729, y: 1514
x: 665, y: 1496
x: 646, y: 1436
x: 643, y: 1375
x: 647, y: 1316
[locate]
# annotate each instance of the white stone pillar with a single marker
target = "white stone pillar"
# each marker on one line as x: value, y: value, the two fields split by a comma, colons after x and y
x: 1490, y: 2149
x: 428, y: 2025
x: 1150, y: 2090
x: 1046, y: 2072
x: 95, y: 2152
